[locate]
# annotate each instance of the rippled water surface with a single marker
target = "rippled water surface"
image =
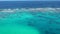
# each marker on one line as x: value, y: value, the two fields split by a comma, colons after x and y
x: 30, y: 22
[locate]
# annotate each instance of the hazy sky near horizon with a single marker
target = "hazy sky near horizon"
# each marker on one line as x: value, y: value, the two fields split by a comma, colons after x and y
x: 29, y: 0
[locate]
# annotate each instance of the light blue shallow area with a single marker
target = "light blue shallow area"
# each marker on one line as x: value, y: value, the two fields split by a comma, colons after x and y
x: 23, y: 22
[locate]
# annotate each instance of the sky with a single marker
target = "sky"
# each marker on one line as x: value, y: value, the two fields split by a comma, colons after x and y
x: 29, y: 0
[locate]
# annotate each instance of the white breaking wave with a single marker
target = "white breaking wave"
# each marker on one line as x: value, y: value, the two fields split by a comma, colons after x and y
x: 30, y: 9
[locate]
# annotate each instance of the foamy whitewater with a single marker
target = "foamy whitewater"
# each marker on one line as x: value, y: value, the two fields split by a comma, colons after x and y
x: 30, y: 21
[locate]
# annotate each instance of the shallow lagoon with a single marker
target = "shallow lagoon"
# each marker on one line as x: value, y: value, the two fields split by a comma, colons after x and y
x: 29, y: 22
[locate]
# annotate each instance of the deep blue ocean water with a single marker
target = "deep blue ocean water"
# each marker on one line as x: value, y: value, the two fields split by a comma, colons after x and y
x: 29, y: 4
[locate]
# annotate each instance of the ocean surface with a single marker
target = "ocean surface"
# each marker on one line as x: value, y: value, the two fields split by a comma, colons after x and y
x: 29, y: 4
x: 18, y: 21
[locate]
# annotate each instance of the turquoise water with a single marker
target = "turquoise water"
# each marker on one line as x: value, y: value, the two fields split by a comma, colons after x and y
x: 30, y: 22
